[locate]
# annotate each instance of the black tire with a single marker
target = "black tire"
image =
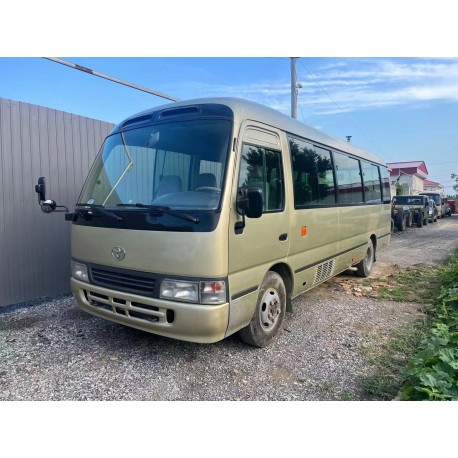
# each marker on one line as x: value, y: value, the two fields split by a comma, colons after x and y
x: 364, y: 267
x: 419, y: 220
x: 409, y: 220
x: 269, y: 314
x: 401, y: 221
x: 392, y: 225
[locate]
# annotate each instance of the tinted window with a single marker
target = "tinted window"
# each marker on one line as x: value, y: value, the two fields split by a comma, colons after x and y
x: 386, y: 188
x: 371, y: 177
x: 262, y: 168
x: 348, y: 179
x: 313, y: 177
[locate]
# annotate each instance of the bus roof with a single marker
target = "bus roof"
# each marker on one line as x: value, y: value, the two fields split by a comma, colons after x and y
x: 246, y: 109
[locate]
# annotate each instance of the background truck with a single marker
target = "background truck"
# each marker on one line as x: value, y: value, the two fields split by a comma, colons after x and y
x: 439, y: 200
x: 418, y: 206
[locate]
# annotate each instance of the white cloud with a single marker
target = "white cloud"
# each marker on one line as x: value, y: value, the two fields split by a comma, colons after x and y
x: 346, y: 85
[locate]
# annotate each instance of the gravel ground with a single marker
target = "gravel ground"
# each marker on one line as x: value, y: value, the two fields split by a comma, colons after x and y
x: 54, y: 351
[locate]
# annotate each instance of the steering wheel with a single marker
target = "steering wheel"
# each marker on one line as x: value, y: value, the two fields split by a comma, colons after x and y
x: 208, y: 189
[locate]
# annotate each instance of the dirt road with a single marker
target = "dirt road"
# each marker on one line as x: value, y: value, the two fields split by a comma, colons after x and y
x: 427, y: 244
x: 54, y: 351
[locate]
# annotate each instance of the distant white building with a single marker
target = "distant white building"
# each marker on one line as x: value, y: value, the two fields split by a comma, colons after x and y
x: 432, y: 186
x: 410, y: 175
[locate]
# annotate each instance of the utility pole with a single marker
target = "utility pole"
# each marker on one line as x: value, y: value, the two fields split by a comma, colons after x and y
x: 294, y: 87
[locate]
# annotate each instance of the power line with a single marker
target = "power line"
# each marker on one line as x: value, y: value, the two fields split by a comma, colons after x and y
x: 439, y: 163
x: 116, y: 80
x: 339, y: 108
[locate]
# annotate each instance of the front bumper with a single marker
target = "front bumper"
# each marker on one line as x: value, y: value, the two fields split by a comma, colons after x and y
x: 191, y: 322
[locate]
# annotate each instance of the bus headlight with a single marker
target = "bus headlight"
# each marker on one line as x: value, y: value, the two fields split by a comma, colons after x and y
x: 79, y: 271
x: 180, y: 290
x: 204, y: 292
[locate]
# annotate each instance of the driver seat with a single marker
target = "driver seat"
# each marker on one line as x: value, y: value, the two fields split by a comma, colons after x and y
x: 206, y: 180
x: 168, y: 185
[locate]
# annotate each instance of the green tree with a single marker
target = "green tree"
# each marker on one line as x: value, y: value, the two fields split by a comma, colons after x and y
x: 454, y: 176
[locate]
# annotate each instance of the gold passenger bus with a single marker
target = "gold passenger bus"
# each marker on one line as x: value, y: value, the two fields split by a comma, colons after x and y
x: 204, y: 218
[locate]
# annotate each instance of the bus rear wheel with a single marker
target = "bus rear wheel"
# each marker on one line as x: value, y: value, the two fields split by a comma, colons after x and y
x: 269, y: 313
x: 364, y: 267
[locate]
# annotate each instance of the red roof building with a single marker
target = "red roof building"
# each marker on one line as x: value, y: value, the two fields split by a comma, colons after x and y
x: 429, y: 185
x: 410, y: 175
x: 409, y: 168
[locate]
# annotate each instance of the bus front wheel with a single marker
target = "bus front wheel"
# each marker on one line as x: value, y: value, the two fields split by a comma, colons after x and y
x: 269, y: 313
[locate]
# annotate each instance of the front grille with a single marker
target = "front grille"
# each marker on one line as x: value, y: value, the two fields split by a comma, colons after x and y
x: 123, y: 281
x: 141, y: 311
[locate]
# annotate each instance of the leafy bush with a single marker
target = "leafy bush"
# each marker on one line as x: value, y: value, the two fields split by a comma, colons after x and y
x: 432, y: 374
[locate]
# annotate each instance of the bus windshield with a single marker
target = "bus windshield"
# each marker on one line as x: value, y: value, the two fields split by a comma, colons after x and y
x: 435, y: 197
x: 179, y: 165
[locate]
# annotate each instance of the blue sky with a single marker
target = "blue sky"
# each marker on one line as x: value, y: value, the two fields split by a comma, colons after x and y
x: 400, y: 108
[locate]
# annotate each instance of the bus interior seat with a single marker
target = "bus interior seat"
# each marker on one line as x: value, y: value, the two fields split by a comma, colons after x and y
x: 206, y: 180
x: 169, y: 184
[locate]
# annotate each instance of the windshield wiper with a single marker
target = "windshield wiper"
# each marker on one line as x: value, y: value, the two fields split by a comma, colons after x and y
x: 166, y: 210
x: 99, y: 209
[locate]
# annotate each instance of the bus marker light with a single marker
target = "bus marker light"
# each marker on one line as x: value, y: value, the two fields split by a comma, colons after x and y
x: 303, y: 231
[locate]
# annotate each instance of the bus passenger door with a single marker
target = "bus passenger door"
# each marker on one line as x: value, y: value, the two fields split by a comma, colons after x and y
x: 263, y: 241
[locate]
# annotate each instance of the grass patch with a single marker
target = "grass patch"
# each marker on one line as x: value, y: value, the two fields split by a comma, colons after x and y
x: 432, y: 373
x: 390, y: 359
x: 419, y: 362
x: 414, y: 284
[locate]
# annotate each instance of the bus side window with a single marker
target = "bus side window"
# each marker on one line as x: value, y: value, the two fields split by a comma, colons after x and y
x: 349, y: 179
x: 312, y: 173
x: 386, y: 189
x: 372, y: 188
x: 262, y: 168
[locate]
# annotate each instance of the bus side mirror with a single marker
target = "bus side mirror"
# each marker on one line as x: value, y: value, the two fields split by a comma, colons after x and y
x: 40, y: 189
x: 47, y: 206
x: 250, y: 202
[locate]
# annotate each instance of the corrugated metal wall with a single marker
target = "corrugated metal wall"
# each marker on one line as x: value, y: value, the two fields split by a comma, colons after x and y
x: 35, y: 247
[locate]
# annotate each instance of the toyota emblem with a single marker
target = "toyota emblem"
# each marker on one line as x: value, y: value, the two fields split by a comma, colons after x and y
x: 119, y: 253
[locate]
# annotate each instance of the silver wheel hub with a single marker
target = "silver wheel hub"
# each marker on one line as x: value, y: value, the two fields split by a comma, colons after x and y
x: 270, y: 309
x: 369, y: 257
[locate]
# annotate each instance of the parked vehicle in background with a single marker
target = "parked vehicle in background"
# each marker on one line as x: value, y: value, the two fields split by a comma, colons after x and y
x: 452, y: 206
x: 448, y: 210
x: 418, y: 205
x: 401, y: 216
x: 432, y: 211
x: 439, y: 200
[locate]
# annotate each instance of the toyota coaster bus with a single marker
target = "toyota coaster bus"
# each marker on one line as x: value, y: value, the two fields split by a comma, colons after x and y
x: 203, y: 218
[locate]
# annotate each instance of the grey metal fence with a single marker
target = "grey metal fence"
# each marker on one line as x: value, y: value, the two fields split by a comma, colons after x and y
x: 34, y: 247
